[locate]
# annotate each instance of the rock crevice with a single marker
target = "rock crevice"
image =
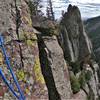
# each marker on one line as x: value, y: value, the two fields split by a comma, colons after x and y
x: 54, y: 68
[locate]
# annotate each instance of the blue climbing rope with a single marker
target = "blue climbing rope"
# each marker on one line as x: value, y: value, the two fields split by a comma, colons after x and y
x: 22, y: 97
x: 8, y: 84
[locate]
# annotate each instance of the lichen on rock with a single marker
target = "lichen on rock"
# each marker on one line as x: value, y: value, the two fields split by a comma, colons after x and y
x: 21, y: 45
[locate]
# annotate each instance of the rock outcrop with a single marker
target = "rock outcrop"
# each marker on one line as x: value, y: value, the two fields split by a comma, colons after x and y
x: 76, y: 36
x: 44, y: 69
x: 22, y: 49
x: 77, y: 49
x: 54, y: 68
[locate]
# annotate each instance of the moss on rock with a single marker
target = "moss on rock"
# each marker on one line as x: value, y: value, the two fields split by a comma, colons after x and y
x: 75, y: 85
x: 37, y: 71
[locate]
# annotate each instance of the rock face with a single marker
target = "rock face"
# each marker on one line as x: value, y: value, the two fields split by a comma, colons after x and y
x: 22, y: 49
x: 76, y: 36
x: 77, y: 45
x: 77, y: 49
x: 54, y: 68
x: 44, y: 69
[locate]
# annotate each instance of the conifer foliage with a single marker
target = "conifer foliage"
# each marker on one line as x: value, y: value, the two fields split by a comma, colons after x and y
x: 50, y: 13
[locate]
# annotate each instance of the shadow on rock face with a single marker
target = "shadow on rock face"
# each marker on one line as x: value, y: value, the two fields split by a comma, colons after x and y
x: 47, y: 72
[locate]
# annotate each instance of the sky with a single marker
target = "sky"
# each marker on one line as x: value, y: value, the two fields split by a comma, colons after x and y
x: 88, y: 8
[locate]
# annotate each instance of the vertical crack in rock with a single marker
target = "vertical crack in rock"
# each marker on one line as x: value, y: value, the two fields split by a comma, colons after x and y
x: 47, y: 71
x: 54, y: 68
x: 22, y: 49
x: 18, y: 23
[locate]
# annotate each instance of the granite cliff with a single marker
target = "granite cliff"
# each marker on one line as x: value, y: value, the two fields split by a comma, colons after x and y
x: 50, y: 61
x: 21, y: 44
x: 78, y: 52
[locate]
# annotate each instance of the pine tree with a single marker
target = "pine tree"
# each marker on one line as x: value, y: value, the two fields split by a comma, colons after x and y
x: 50, y: 13
x: 34, y: 6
